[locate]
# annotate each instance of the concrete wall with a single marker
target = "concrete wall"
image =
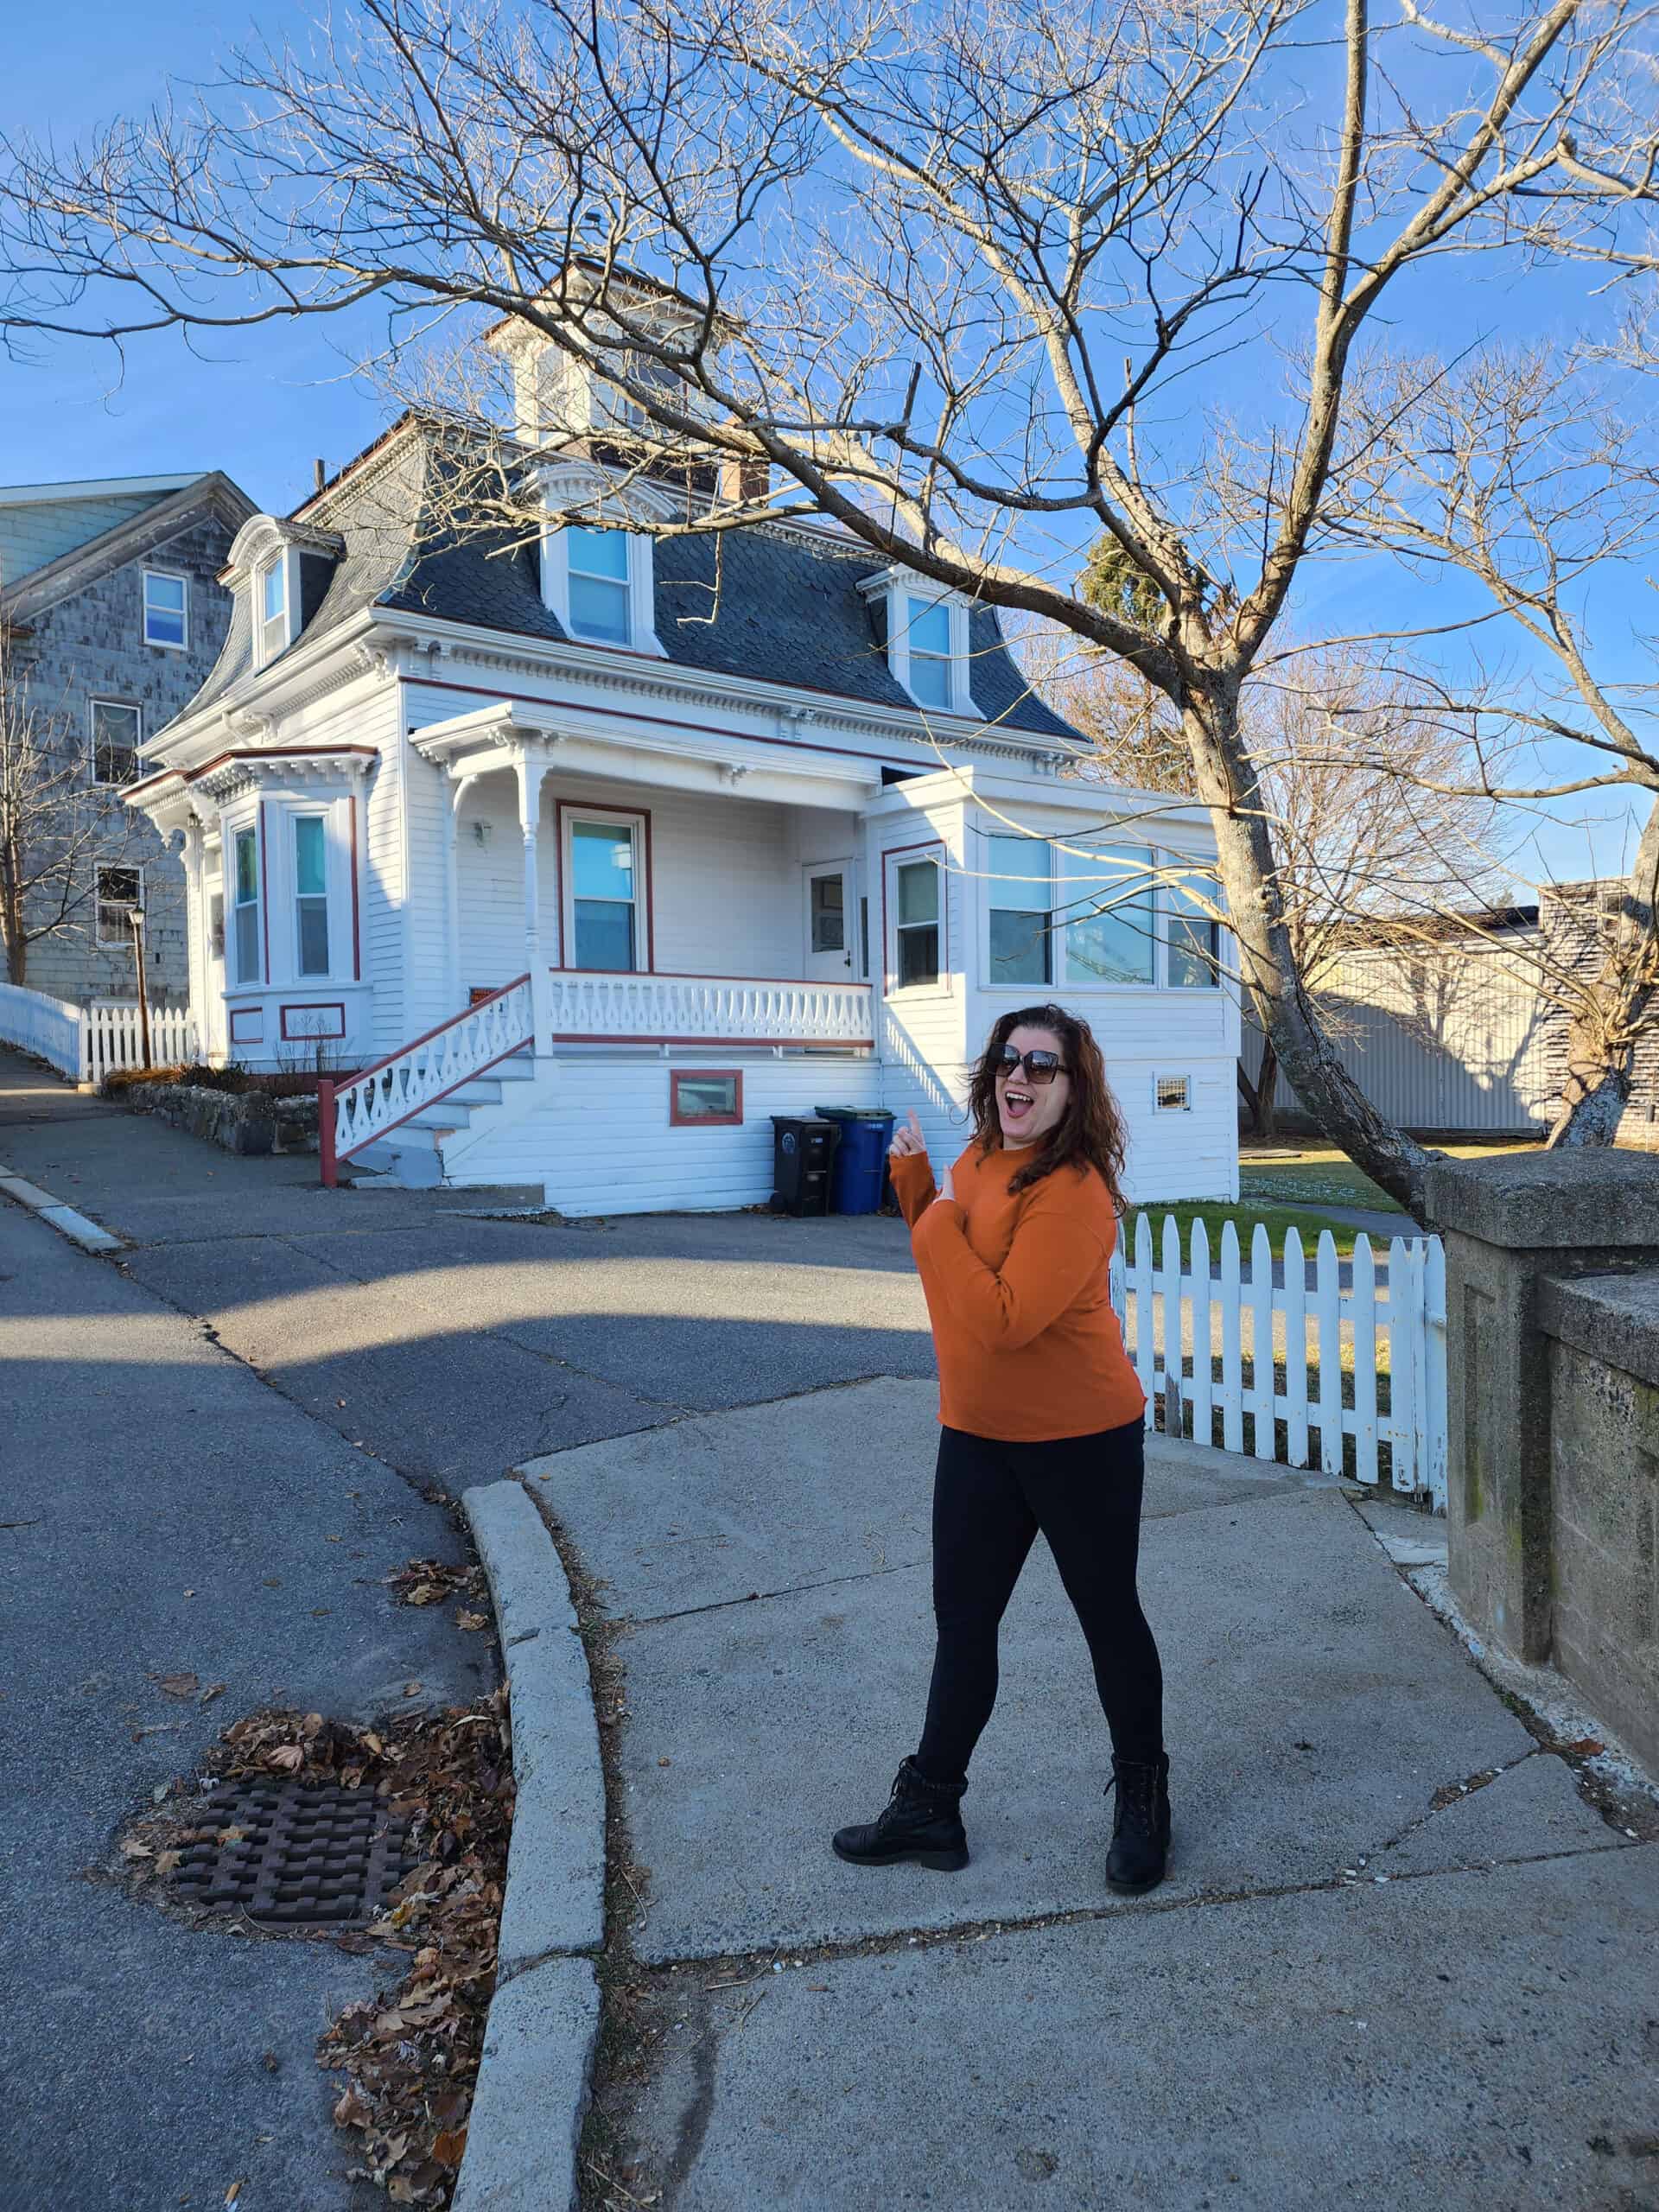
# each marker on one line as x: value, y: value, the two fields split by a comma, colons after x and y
x: 1552, y: 1265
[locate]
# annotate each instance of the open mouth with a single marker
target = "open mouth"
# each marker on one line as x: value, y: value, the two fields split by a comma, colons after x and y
x: 1017, y: 1102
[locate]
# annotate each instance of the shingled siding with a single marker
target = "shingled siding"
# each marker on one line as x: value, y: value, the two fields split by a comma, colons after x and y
x: 1570, y: 923
x: 91, y: 646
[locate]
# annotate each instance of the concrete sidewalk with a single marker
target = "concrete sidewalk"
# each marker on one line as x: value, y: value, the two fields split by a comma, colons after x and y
x: 1363, y: 1983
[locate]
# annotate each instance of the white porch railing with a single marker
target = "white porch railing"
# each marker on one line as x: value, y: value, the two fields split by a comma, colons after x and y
x: 594, y: 1008
x: 1300, y: 1341
x: 85, y: 1043
x: 354, y: 1114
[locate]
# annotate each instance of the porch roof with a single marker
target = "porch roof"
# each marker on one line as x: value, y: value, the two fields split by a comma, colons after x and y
x: 498, y: 736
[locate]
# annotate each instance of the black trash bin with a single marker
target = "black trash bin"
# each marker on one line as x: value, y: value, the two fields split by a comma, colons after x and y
x: 803, y: 1149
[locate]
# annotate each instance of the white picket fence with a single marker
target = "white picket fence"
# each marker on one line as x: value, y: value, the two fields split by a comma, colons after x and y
x: 1192, y: 1329
x: 85, y: 1042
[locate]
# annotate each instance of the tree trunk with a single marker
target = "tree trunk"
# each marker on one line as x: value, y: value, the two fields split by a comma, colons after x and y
x: 1295, y: 1035
x: 1601, y: 1043
x: 1267, y: 1091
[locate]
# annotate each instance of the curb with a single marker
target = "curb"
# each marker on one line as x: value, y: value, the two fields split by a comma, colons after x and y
x: 68, y: 1223
x: 534, y: 2075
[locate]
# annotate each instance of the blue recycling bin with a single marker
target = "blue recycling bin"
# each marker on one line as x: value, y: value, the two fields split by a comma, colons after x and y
x: 860, y: 1166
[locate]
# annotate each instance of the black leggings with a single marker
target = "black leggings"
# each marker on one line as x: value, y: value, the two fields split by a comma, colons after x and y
x: 989, y: 1500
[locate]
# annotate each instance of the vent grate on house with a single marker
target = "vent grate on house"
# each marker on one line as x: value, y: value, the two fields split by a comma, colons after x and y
x: 1172, y: 1095
x: 296, y: 1854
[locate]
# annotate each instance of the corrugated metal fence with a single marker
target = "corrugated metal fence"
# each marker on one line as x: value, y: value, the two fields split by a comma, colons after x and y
x: 1454, y: 1039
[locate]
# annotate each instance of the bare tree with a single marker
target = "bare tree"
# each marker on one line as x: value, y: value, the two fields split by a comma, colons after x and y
x: 1518, y: 476
x: 1361, y: 854
x: 53, y: 831
x: 957, y: 275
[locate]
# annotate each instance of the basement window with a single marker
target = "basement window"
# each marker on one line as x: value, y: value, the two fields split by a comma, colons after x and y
x: 708, y: 1099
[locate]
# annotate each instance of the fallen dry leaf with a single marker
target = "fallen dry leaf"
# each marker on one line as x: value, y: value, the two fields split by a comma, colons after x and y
x: 168, y: 1862
x: 425, y: 1593
x: 181, y: 1685
x: 447, y: 2148
x: 411, y: 1689
x: 287, y: 1758
x: 131, y: 1850
x: 212, y: 1690
x: 234, y: 2192
x: 472, y: 1620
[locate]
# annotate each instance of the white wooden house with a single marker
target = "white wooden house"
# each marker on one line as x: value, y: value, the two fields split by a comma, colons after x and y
x: 592, y: 857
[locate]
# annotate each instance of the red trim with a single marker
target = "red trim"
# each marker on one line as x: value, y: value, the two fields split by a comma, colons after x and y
x: 310, y: 1005
x: 326, y: 1133
x: 723, y: 1044
x: 252, y: 752
x: 427, y: 1035
x: 679, y: 1120
x: 357, y: 940
x: 265, y: 895
x: 706, y: 729
x: 561, y: 807
x: 898, y: 852
x: 247, y: 1013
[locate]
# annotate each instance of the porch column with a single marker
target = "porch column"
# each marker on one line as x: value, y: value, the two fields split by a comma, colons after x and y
x: 460, y: 785
x: 531, y: 767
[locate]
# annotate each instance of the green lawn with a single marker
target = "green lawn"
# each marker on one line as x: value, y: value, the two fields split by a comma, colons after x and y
x: 1243, y: 1216
x: 1306, y: 1174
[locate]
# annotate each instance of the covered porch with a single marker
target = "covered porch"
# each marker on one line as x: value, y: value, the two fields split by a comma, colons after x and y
x: 652, y: 900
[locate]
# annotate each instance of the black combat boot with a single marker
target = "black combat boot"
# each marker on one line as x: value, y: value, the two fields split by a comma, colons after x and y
x: 923, y: 1821
x: 1141, y: 1824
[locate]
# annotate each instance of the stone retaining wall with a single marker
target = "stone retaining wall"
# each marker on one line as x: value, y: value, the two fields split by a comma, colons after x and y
x: 247, y: 1122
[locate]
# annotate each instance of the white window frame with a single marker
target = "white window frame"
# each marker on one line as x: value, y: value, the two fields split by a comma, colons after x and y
x: 641, y: 581
x: 932, y: 857
x: 997, y: 888
x: 124, y: 707
x: 324, y: 815
x: 171, y: 576
x: 1169, y: 913
x: 568, y: 819
x: 287, y: 560
x: 123, y: 942
x: 234, y: 908
x: 899, y: 588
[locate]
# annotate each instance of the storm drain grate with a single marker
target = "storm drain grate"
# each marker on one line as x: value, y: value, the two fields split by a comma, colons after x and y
x: 299, y: 1854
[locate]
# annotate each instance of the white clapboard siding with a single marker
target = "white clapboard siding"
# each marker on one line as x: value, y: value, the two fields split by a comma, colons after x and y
x: 1162, y: 1312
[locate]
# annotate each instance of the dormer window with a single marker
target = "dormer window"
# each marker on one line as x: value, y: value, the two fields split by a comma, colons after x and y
x: 598, y: 584
x: 928, y: 640
x: 598, y: 581
x: 273, y: 609
x: 931, y: 657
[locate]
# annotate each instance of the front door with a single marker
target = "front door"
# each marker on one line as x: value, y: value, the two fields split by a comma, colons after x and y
x: 829, y: 937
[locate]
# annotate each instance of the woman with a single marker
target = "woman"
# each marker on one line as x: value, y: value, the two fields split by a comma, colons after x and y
x: 1040, y: 1416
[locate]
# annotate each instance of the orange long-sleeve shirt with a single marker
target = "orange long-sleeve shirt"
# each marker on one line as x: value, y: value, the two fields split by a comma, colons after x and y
x: 1017, y: 1290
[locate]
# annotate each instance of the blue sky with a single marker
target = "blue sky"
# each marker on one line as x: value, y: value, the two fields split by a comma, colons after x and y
x: 265, y: 406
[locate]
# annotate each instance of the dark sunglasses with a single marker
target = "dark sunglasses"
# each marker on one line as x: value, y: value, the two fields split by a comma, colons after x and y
x: 1040, y: 1067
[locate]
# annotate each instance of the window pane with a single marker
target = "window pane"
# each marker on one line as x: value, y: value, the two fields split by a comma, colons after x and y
x: 930, y: 681
x: 313, y: 936
x: 697, y: 1096
x: 275, y: 591
x: 604, y: 934
x: 599, y: 609
x: 598, y: 552
x: 1116, y: 943
x: 164, y: 610
x: 929, y: 629
x: 919, y: 891
x: 1025, y: 860
x: 115, y: 737
x: 308, y: 879
x: 828, y: 922
x: 1019, y: 947
x: 918, y: 954
x: 601, y: 860
x: 247, y: 944
x: 247, y: 867
x: 1194, y: 944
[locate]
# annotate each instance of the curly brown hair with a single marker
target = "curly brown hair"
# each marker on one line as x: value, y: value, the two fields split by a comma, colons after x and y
x: 1090, y: 1134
